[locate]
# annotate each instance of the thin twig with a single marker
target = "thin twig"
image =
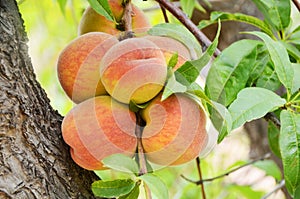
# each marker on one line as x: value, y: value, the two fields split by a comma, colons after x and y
x: 199, y: 182
x: 164, y: 13
x: 273, y: 118
x: 182, y: 17
x: 198, y: 162
x: 279, y: 186
x: 297, y: 4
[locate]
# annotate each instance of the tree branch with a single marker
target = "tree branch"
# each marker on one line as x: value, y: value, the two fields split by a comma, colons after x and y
x: 297, y: 4
x: 181, y: 16
x: 273, y: 118
x: 277, y: 188
x: 200, y: 182
x: 200, y: 177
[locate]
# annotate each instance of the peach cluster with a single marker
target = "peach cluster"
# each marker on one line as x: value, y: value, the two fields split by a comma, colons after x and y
x: 103, y: 75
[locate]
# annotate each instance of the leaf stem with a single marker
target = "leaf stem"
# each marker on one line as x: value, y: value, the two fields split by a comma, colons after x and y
x: 182, y: 17
x: 200, y: 182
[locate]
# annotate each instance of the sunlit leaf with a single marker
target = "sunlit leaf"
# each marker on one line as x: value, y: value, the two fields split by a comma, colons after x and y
x: 102, y: 8
x: 280, y: 58
x: 225, y: 16
x: 276, y: 12
x: 230, y: 71
x: 156, y: 185
x: 289, y: 142
x: 111, y: 189
x: 188, y: 6
x: 253, y: 103
x: 121, y: 162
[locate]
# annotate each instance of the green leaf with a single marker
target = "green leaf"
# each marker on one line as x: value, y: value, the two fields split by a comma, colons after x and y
x: 230, y: 71
x: 195, y: 89
x: 102, y: 8
x: 268, y: 78
x: 276, y: 12
x: 270, y: 167
x: 133, y: 194
x: 156, y: 185
x: 295, y: 36
x: 190, y: 70
x: 188, y: 7
x: 253, y: 103
x: 292, y: 50
x: 273, y: 138
x: 172, y: 86
x: 173, y: 60
x: 121, y: 162
x: 244, y: 191
x: 221, y: 119
x: 289, y: 142
x: 62, y: 5
x: 199, y: 7
x: 180, y: 33
x: 225, y: 16
x: 280, y: 58
x: 111, y: 189
x: 296, y: 81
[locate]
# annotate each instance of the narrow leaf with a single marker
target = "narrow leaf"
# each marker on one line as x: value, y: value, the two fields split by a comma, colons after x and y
x: 121, y: 162
x: 280, y: 58
x: 276, y: 12
x: 102, y: 8
x: 273, y: 138
x: 253, y: 103
x: 289, y: 142
x: 156, y: 185
x: 296, y: 81
x: 111, y: 189
x: 225, y: 16
x: 230, y: 71
x: 180, y: 33
x: 173, y: 86
x: 62, y: 5
x: 173, y: 60
x: 188, y: 6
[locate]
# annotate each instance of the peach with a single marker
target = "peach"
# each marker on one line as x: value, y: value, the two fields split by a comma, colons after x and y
x: 134, y: 69
x: 97, y: 128
x: 91, y: 21
x: 175, y: 130
x: 78, y: 65
x: 169, y: 47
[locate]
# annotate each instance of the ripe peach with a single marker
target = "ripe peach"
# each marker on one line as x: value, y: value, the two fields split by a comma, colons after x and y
x: 91, y: 21
x: 170, y: 46
x: 134, y: 69
x: 97, y: 128
x: 175, y: 130
x: 78, y: 65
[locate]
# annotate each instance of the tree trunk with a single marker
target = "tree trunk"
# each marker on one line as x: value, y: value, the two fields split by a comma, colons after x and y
x: 34, y: 160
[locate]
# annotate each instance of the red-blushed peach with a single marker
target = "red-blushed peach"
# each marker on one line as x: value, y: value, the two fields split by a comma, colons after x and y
x: 134, y: 69
x: 97, y: 128
x: 175, y: 131
x: 78, y: 65
x: 170, y: 46
x: 91, y: 21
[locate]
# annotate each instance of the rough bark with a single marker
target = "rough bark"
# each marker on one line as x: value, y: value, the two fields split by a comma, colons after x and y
x: 34, y: 160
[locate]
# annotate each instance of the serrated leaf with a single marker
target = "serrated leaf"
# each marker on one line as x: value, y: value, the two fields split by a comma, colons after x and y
x: 133, y: 194
x: 276, y: 12
x: 62, y: 5
x: 190, y: 70
x: 221, y: 119
x: 172, y: 86
x: 289, y: 142
x: 121, y: 162
x: 156, y: 185
x: 230, y: 71
x: 280, y: 58
x: 273, y: 138
x: 102, y: 8
x: 111, y: 189
x: 270, y: 167
x: 253, y: 103
x: 188, y: 7
x: 180, y: 33
x: 296, y: 81
x: 268, y: 78
x: 225, y: 16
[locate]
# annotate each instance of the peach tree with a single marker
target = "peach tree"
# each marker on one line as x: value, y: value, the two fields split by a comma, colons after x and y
x: 142, y: 102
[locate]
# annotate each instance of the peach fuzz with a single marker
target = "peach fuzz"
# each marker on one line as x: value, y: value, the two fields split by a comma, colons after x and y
x: 175, y: 130
x: 91, y: 21
x: 78, y: 65
x: 97, y: 128
x: 134, y: 69
x: 170, y: 46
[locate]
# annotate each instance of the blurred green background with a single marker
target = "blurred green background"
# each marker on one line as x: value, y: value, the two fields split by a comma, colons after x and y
x: 50, y: 29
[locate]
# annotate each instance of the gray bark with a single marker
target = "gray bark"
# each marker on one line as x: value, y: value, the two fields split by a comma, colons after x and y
x: 34, y: 160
